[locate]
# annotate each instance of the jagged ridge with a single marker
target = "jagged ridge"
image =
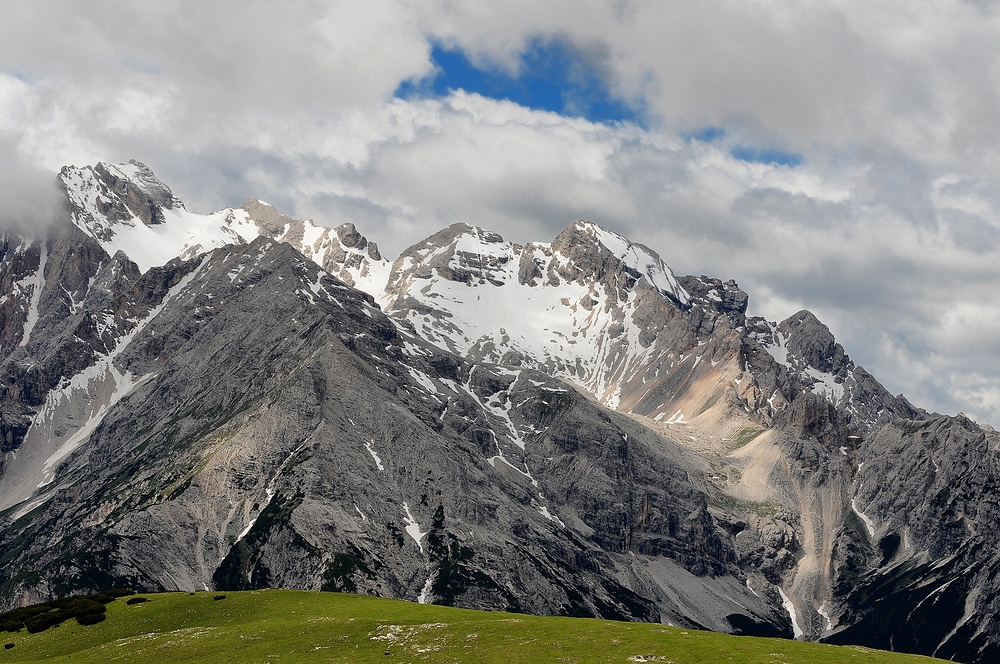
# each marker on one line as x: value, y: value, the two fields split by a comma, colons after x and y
x: 769, y: 430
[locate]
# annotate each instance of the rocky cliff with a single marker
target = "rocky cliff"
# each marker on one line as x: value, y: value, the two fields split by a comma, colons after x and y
x: 265, y: 424
x: 243, y: 399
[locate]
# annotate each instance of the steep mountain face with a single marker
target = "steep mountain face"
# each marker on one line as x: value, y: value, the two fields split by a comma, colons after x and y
x: 774, y: 411
x: 261, y: 423
x: 562, y: 427
x: 810, y: 354
x: 918, y: 567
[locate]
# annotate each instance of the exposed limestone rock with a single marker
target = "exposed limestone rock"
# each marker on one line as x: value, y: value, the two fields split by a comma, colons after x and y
x: 277, y: 429
x: 559, y: 428
x: 341, y: 251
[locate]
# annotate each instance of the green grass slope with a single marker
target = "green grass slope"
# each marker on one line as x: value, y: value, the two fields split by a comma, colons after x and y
x: 283, y: 626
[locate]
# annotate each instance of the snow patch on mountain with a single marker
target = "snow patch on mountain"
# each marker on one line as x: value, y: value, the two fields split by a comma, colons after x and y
x: 473, y: 292
x: 775, y: 345
x: 639, y: 258
x: 35, y: 282
x: 825, y: 384
x: 413, y: 528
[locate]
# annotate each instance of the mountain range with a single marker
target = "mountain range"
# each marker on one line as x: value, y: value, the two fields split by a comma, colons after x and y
x: 243, y: 400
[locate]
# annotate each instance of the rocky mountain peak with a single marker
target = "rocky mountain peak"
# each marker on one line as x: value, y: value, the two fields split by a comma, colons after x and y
x: 352, y: 239
x: 137, y: 181
x: 270, y: 221
x: 122, y: 192
x: 125, y: 207
x: 812, y: 342
x: 460, y: 253
x: 593, y: 252
x: 341, y: 251
x: 709, y: 292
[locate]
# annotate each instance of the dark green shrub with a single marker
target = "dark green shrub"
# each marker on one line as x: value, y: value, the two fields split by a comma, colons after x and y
x: 8, y: 646
x: 42, y: 621
x: 87, y: 609
x: 219, y: 597
x: 91, y: 618
x: 136, y: 600
x: 14, y: 620
x: 82, y: 606
x: 119, y: 592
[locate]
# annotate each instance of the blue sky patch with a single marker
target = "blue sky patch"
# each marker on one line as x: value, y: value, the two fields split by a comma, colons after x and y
x: 554, y: 76
x: 755, y: 156
x: 743, y: 152
x: 705, y: 135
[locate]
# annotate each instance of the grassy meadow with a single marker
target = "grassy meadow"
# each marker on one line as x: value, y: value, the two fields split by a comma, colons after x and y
x: 285, y: 626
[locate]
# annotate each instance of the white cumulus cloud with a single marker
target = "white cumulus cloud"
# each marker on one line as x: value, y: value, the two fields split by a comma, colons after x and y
x: 889, y: 228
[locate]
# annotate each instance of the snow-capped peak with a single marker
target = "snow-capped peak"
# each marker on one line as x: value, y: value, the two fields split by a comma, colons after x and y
x: 140, y: 176
x: 636, y: 257
x: 127, y: 208
x: 567, y: 306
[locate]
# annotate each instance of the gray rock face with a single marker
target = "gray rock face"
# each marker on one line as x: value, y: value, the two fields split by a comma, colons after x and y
x: 916, y: 568
x: 558, y: 428
x: 143, y: 194
x: 341, y: 251
x: 48, y: 333
x: 19, y: 265
x: 273, y: 427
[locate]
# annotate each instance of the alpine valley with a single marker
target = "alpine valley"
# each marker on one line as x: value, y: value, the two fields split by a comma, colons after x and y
x: 243, y: 400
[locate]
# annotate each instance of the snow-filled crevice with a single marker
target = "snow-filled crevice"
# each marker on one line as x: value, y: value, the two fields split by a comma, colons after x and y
x: 375, y: 456
x: 412, y: 528
x: 36, y: 282
x: 869, y: 524
x: 790, y: 608
x: 425, y: 592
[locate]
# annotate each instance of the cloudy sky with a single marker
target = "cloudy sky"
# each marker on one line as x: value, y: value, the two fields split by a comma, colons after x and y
x: 841, y: 156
